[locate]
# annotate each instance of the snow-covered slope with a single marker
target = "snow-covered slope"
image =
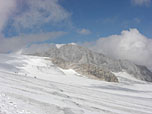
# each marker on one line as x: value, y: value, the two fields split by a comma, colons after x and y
x: 33, y: 85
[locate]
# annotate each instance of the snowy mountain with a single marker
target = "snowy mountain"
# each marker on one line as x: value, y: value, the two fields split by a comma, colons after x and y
x: 34, y: 85
x: 93, y: 64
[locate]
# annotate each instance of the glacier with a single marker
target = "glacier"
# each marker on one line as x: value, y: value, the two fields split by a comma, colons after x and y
x: 34, y: 85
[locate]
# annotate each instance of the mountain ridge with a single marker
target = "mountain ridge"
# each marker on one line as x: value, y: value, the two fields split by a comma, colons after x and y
x: 74, y: 56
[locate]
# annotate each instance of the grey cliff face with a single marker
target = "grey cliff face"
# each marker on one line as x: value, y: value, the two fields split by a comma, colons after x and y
x: 76, y: 57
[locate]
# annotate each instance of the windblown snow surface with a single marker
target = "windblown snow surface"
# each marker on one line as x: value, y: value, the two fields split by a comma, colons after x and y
x: 33, y: 85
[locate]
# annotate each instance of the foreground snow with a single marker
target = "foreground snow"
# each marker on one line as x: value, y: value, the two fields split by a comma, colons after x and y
x: 33, y: 85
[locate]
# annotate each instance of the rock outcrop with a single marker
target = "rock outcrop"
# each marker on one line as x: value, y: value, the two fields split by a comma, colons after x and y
x: 90, y: 70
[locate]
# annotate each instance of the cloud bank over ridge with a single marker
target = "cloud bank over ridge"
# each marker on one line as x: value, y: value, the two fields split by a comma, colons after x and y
x: 20, y: 42
x: 130, y: 45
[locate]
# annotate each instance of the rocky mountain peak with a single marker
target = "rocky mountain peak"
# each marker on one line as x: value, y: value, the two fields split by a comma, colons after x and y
x: 74, y: 56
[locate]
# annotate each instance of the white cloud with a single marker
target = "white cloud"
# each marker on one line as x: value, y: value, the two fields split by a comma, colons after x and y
x: 6, y: 8
x: 36, y: 13
x: 84, y: 31
x: 30, y: 14
x: 141, y: 2
x: 40, y: 12
x: 130, y: 45
x: 19, y: 42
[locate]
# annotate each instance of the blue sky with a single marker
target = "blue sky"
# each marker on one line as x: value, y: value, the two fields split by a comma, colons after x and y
x: 107, y: 17
x: 78, y: 20
x: 100, y: 17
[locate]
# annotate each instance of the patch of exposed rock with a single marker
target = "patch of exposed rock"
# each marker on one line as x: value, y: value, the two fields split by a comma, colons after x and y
x: 90, y: 70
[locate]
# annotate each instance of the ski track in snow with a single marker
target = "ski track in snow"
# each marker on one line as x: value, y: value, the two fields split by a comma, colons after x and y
x: 33, y: 85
